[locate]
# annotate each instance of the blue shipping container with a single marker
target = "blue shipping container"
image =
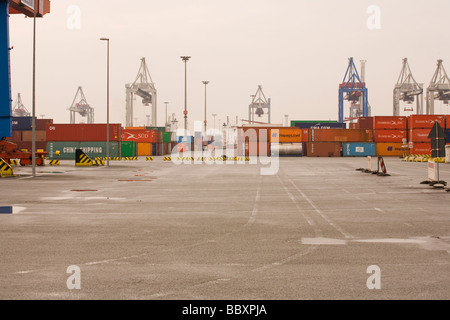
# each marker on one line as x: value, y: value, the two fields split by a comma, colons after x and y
x: 320, y: 125
x: 185, y: 139
x: 21, y: 123
x: 358, y: 149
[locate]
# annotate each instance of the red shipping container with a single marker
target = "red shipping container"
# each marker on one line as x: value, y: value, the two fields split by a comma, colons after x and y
x: 422, y: 121
x: 323, y: 149
x: 139, y: 135
x: 365, y: 123
x: 390, y: 123
x: 390, y: 135
x: 83, y: 132
x: 41, y: 124
x: 419, y: 135
x: 341, y: 135
x: 421, y: 148
x: 305, y: 135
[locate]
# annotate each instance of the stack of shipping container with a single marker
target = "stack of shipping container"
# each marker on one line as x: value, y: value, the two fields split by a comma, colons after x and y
x: 22, y: 133
x: 419, y: 129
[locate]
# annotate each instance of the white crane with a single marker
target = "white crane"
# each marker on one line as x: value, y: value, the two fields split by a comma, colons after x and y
x: 407, y: 89
x: 143, y: 87
x: 19, y: 109
x: 439, y: 88
x: 81, y: 106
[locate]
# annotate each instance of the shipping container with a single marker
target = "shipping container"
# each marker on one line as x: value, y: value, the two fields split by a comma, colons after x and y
x: 390, y: 123
x: 388, y: 149
x: 144, y: 148
x: 159, y: 136
x: 253, y: 148
x: 16, y: 136
x: 286, y: 149
x: 419, y: 135
x: 161, y: 129
x: 319, y: 125
x: 390, y: 135
x: 422, y: 121
x: 40, y: 135
x: 41, y: 124
x: 341, y: 135
x: 353, y: 125
x: 189, y: 139
x: 21, y: 123
x: 358, y: 149
x: 254, y: 133
x: 128, y: 149
x: 167, y: 137
x: 323, y: 149
x: 167, y: 148
x: 421, y: 148
x: 154, y: 149
x: 305, y: 137
x: 139, y: 135
x: 365, y: 123
x: 83, y: 132
x: 291, y: 135
x: 91, y: 148
x: 447, y: 134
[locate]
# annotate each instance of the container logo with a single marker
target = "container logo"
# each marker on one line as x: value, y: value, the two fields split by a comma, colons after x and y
x: 52, y: 128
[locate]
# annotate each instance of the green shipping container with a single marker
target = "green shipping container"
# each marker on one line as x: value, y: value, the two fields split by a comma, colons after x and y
x: 92, y: 149
x: 162, y: 129
x: 128, y: 148
x: 166, y: 137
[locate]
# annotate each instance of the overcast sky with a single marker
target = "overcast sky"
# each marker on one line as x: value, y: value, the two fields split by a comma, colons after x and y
x: 297, y: 50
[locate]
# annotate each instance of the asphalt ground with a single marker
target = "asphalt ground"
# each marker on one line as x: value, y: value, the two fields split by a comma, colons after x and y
x: 316, y: 228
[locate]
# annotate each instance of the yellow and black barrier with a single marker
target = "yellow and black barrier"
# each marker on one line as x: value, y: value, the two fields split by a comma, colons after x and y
x: 5, y: 169
x: 130, y: 158
x: 167, y: 159
x: 148, y: 158
x: 417, y: 158
x: 54, y: 162
x: 82, y: 160
x: 14, y: 162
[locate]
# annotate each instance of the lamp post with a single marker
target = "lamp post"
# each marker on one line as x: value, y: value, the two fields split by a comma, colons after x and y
x: 185, y: 59
x: 214, y: 119
x: 33, y: 115
x: 166, y: 122
x: 107, y: 101
x: 205, y: 83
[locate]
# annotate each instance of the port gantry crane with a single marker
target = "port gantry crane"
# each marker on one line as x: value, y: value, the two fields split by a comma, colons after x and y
x: 143, y: 87
x: 407, y: 90
x: 8, y: 150
x: 258, y: 104
x: 80, y: 105
x: 439, y: 88
x: 355, y: 90
x: 19, y: 110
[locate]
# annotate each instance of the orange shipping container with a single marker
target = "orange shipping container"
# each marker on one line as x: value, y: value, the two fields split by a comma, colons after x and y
x: 387, y: 149
x: 419, y: 135
x: 40, y: 135
x: 390, y: 123
x: 341, y: 135
x: 390, y: 135
x: 421, y: 148
x: 144, y: 149
x: 293, y: 135
x: 421, y: 121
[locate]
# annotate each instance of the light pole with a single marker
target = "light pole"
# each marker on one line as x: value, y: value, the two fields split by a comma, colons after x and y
x: 107, y: 101
x: 185, y: 59
x: 33, y: 115
x: 205, y: 83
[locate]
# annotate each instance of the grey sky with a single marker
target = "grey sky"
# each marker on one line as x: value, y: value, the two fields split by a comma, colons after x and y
x: 297, y: 50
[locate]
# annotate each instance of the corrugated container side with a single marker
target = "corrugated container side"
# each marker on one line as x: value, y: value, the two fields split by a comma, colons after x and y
x: 144, y: 148
x: 128, y: 149
x: 66, y: 149
x: 390, y: 123
x: 419, y: 135
x: 388, y: 149
x: 17, y: 136
x: 447, y: 133
x: 40, y: 135
x: 91, y: 148
x: 323, y: 149
x: 139, y: 135
x: 390, y: 135
x: 167, y: 137
x: 253, y: 148
x: 292, y: 135
x: 21, y: 123
x: 95, y: 149
x: 358, y: 149
x: 341, y: 135
x: 27, y: 145
x: 83, y: 132
x: 422, y: 121
x: 421, y: 148
x: 41, y: 124
x: 365, y: 123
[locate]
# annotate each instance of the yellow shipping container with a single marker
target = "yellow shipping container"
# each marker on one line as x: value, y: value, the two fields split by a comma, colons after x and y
x: 293, y: 135
x: 389, y: 149
x: 144, y: 149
